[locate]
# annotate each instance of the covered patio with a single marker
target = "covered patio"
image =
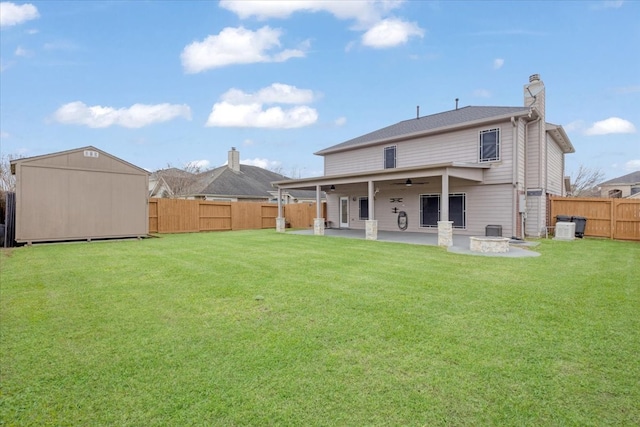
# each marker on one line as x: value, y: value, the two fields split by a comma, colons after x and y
x: 372, y: 181
x: 460, y: 244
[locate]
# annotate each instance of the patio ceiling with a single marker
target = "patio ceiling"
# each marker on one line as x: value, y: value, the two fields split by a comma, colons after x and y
x: 468, y: 171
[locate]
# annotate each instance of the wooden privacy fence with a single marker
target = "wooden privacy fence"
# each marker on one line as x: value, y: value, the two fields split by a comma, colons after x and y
x: 190, y: 216
x: 612, y: 218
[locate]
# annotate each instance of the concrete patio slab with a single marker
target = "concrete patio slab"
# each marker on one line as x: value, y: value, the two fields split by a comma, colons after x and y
x: 460, y: 243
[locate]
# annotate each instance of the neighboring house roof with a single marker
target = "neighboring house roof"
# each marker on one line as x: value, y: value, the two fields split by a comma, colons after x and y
x: 445, y: 119
x: 248, y: 182
x: 628, y: 179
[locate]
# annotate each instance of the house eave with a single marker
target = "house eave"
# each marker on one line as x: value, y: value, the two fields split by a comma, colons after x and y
x: 558, y: 133
x: 531, y: 114
x: 470, y: 171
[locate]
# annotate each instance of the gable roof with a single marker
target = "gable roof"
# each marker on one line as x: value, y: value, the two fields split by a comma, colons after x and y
x: 446, y: 119
x: 248, y: 182
x: 631, y: 178
x: 63, y: 157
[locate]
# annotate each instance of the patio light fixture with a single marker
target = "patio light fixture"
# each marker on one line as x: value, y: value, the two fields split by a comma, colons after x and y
x: 408, y: 182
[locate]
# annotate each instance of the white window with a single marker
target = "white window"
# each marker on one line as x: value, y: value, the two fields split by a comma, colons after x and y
x: 490, y: 145
x: 390, y: 157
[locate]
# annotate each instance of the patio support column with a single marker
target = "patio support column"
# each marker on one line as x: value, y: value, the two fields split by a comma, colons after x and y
x: 280, y: 223
x: 445, y: 227
x: 318, y: 221
x: 371, y: 224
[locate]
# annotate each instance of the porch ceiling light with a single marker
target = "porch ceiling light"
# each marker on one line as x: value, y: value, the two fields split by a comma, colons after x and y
x: 408, y: 182
x: 333, y: 187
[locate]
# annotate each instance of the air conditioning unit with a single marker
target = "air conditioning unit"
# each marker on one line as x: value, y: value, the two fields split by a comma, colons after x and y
x: 565, y: 231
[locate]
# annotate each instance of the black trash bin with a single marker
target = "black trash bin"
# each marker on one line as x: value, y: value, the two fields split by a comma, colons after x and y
x: 581, y: 224
x: 563, y: 218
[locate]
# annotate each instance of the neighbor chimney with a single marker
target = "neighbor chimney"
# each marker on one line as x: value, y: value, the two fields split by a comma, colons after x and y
x: 234, y: 159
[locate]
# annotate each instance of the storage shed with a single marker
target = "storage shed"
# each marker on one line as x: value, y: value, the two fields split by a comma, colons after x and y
x: 80, y: 194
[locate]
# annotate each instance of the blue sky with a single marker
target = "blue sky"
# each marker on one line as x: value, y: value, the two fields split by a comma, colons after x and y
x: 160, y: 83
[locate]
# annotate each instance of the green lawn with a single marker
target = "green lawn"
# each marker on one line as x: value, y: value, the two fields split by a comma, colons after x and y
x: 259, y: 328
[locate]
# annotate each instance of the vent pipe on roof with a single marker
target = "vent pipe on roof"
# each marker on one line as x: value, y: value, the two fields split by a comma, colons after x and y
x: 417, y: 111
x: 457, y: 103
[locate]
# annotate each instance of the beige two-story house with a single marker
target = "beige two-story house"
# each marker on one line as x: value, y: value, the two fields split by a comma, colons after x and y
x: 460, y: 170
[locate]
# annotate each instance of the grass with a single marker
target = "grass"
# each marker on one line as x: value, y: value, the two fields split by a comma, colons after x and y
x: 260, y: 328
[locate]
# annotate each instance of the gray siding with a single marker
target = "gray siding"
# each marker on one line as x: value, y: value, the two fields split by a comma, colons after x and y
x: 485, y: 205
x: 461, y: 146
x: 555, y: 169
x: 533, y: 161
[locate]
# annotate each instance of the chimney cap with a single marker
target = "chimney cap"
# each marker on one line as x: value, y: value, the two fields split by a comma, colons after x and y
x: 534, y: 77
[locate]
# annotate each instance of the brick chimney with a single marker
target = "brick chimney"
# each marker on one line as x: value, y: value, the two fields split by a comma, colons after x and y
x: 234, y: 159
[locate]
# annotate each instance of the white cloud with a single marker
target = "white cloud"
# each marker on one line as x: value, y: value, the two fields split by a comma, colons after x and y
x: 391, y: 32
x: 340, y: 121
x: 20, y: 51
x: 365, y: 12
x: 277, y: 93
x: 4, y: 135
x: 498, y: 63
x: 369, y: 15
x: 262, y: 163
x: 482, y: 93
x: 611, y: 125
x: 632, y: 165
x: 236, y: 46
x: 240, y: 109
x: 615, y: 4
x: 136, y: 116
x: 12, y: 14
x: 248, y: 142
x: 253, y: 115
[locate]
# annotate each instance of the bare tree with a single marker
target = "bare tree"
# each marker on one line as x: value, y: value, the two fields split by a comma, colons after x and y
x: 175, y: 182
x: 7, y: 181
x: 584, y: 182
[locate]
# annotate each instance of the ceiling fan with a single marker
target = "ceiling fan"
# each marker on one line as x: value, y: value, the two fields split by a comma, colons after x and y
x: 409, y: 182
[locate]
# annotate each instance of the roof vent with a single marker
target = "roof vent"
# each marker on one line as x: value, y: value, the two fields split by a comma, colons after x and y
x: 534, y: 78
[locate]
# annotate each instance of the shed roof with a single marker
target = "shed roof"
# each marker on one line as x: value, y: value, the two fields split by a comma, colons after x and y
x: 88, y: 157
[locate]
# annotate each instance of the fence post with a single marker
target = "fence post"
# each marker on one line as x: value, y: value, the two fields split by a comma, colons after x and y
x: 613, y: 219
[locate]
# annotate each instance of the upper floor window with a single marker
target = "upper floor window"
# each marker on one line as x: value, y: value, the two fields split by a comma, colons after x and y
x: 390, y: 157
x: 490, y: 145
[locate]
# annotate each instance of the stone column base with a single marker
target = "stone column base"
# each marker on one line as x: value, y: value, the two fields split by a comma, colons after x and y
x: 280, y: 225
x: 371, y: 229
x: 445, y: 233
x: 318, y: 226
